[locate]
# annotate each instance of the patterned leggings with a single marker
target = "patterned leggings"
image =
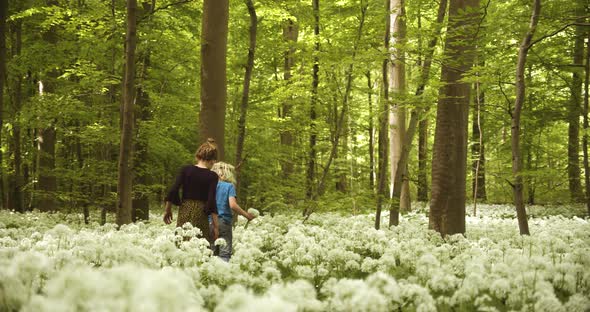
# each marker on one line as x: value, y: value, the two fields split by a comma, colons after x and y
x: 193, y: 211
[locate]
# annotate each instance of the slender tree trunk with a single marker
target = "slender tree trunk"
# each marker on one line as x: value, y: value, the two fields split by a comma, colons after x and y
x: 371, y: 134
x: 3, y: 16
x: 585, y: 140
x: 213, y: 72
x: 383, y: 124
x: 573, y: 146
x: 422, y: 160
x: 397, y: 113
x: 449, y: 160
x: 310, y: 181
x: 516, y: 114
x: 246, y: 91
x: 290, y: 34
x: 125, y: 182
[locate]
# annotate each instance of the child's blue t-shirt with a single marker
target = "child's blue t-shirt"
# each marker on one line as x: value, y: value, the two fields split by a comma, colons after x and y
x: 225, y: 190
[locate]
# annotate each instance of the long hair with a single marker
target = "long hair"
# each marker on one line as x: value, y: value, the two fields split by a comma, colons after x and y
x: 207, y: 151
x: 225, y: 172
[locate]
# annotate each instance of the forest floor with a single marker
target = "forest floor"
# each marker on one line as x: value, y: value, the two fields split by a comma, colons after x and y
x: 54, y: 262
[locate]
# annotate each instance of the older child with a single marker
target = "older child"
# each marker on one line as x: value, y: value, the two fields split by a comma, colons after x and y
x: 198, y: 186
x: 226, y: 203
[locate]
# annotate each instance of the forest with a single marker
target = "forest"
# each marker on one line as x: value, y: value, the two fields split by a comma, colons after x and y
x: 392, y: 155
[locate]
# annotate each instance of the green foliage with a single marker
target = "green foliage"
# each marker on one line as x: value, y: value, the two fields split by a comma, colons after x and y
x: 81, y: 70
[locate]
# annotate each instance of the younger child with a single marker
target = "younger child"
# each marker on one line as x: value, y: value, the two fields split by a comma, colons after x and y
x: 226, y: 203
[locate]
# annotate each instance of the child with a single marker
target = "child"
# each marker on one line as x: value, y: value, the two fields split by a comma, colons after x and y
x: 226, y: 203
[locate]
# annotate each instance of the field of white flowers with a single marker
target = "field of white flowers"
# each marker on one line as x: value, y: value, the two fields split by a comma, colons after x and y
x: 53, y: 262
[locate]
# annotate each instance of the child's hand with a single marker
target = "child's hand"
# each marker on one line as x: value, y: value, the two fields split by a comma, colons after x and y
x: 250, y: 216
x: 168, y: 217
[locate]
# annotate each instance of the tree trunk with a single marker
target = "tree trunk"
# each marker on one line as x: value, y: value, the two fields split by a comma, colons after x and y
x: 246, y: 92
x: 383, y: 124
x: 478, y: 183
x: 371, y: 134
x: 573, y: 144
x: 516, y: 113
x: 585, y: 143
x: 290, y: 34
x: 422, y: 160
x: 125, y: 181
x: 213, y: 72
x: 3, y: 16
x: 449, y: 160
x: 397, y: 113
x: 310, y: 174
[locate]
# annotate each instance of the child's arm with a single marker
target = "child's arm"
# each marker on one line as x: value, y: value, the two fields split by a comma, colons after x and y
x: 233, y: 204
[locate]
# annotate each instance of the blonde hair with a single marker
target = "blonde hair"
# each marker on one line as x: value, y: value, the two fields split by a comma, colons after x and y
x: 207, y: 151
x: 225, y: 171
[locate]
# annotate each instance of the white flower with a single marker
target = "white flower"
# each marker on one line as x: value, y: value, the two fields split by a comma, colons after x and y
x: 220, y: 242
x: 577, y: 303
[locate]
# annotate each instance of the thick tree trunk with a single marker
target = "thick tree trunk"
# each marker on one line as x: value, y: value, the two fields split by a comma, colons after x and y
x: 246, y: 91
x: 213, y: 72
x: 371, y: 134
x: 516, y: 114
x: 290, y: 34
x: 383, y: 125
x: 449, y: 160
x: 573, y: 144
x: 478, y: 183
x: 311, y: 162
x: 125, y: 181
